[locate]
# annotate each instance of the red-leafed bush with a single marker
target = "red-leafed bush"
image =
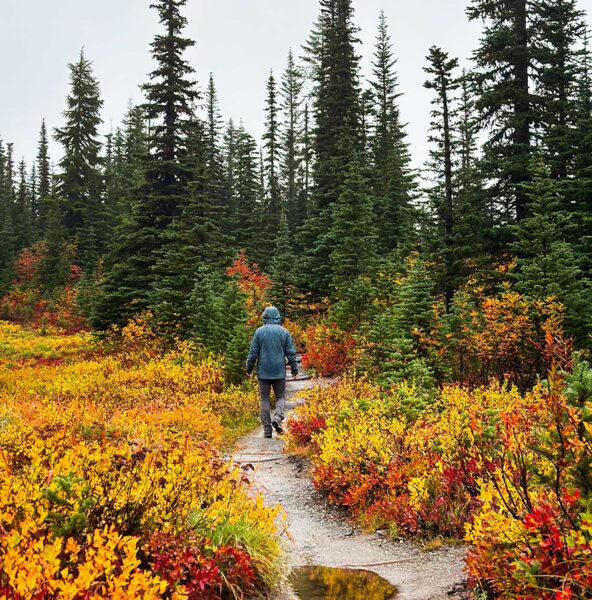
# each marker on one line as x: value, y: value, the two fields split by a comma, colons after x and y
x: 532, y: 536
x: 302, y: 431
x: 205, y: 573
x: 499, y: 338
x: 253, y: 283
x: 27, y: 264
x: 29, y: 307
x: 508, y: 471
x: 28, y: 302
x: 328, y: 350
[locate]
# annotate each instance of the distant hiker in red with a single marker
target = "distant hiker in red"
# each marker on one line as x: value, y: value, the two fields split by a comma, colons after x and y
x: 270, y: 347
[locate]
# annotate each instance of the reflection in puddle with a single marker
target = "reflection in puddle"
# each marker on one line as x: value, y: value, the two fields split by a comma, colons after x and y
x: 326, y: 583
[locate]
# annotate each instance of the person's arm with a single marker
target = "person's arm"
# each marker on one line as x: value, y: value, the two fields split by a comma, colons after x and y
x: 290, y: 352
x: 253, y: 353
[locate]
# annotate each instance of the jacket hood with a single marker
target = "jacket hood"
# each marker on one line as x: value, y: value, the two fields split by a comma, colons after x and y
x: 271, y: 316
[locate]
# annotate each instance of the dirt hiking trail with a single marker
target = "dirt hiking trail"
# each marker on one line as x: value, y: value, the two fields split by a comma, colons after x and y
x: 322, y: 535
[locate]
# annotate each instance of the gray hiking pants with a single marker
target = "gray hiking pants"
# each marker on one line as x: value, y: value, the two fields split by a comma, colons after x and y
x: 279, y: 391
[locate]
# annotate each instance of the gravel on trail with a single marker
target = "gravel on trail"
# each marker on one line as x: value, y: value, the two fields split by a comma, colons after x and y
x: 323, y: 535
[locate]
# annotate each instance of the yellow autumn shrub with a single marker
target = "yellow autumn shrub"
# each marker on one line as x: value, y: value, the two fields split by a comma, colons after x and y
x: 100, y: 450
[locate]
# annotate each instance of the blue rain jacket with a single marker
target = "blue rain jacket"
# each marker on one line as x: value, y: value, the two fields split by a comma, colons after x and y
x: 270, y: 347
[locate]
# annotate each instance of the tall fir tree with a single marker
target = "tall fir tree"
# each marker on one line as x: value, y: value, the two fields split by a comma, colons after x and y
x: 34, y: 201
x: 506, y: 101
x: 43, y: 179
x: 443, y: 162
x: 559, y: 27
x: 193, y: 239
x: 112, y: 172
x: 305, y: 171
x: 262, y: 180
x: 23, y: 217
x: 79, y: 180
x: 247, y: 195
x: 273, y: 206
x: 7, y: 245
x: 393, y: 180
x: 474, y: 226
x: 229, y: 159
x: 336, y: 96
x: 580, y: 188
x: 291, y: 142
x: 334, y: 64
x: 215, y: 162
x: 127, y: 150
x: 170, y: 97
x: 366, y: 123
x: 10, y: 179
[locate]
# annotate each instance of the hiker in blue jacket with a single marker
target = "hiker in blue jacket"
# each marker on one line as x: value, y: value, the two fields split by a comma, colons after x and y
x: 270, y: 347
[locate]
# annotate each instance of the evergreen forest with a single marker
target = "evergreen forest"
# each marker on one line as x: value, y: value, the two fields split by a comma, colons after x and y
x: 453, y: 302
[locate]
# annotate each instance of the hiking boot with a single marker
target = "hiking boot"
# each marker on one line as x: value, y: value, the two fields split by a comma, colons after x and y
x: 268, y: 434
x: 278, y: 427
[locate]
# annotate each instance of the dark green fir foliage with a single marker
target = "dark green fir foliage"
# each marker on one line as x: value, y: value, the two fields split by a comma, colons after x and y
x: 273, y: 202
x: 79, y: 180
x: 262, y: 182
x: 547, y: 263
x: 334, y: 66
x: 580, y: 187
x: 392, y: 358
x: 55, y: 268
x: 170, y: 95
x: 443, y: 162
x: 366, y: 118
x: 43, y: 170
x: 460, y: 230
x: 393, y: 180
x: 243, y: 188
x: 34, y: 201
x: 8, y: 191
x: 213, y: 140
x: 291, y: 152
x: 406, y: 308
x: 415, y: 297
x: 7, y: 244
x: 353, y: 234
x: 506, y: 101
x: 283, y: 270
x: 336, y: 95
x: 305, y: 171
x: 111, y: 165
x: 219, y: 319
x: 23, y: 215
x: 229, y: 159
x: 559, y: 28
x: 9, y: 188
x: 126, y: 153
x: 474, y: 234
x: 193, y: 239
x: 205, y: 310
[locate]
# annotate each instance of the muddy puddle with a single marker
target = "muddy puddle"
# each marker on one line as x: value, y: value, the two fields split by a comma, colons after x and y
x: 326, y: 583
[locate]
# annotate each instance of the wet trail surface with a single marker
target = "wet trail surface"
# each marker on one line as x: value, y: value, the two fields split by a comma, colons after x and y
x: 322, y: 535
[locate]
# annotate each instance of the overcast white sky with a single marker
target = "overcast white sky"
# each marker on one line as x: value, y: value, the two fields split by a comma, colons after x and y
x: 237, y: 40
